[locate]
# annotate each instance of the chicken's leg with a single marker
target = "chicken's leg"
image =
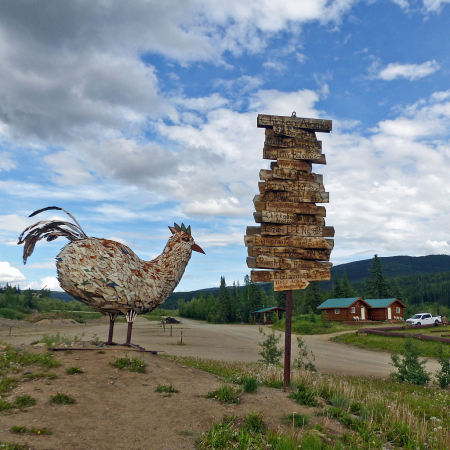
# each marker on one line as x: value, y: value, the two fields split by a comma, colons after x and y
x: 131, y: 315
x: 112, y: 319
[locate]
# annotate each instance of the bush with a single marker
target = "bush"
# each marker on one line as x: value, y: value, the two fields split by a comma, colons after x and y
x: 443, y: 375
x: 304, y: 395
x: 250, y: 384
x: 304, y: 360
x: 225, y: 394
x: 410, y: 368
x: 133, y: 364
x: 270, y: 353
x: 296, y: 419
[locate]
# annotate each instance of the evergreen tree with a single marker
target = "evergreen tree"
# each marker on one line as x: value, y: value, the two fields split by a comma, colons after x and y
x: 223, y: 303
x: 346, y: 290
x: 377, y: 285
x: 314, y: 296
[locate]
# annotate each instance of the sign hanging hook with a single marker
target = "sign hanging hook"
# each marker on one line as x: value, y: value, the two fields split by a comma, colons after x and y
x: 294, y: 114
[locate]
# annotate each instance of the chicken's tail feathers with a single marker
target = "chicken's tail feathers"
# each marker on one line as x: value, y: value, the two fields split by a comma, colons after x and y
x: 49, y: 229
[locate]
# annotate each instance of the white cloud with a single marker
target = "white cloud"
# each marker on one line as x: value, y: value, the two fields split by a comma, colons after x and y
x: 6, y: 163
x: 9, y: 274
x: 434, y: 6
x: 51, y: 283
x: 410, y: 72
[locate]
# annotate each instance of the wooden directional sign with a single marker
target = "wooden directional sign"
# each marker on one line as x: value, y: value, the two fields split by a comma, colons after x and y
x: 294, y: 197
x: 270, y: 262
x: 287, y: 252
x: 297, y: 230
x: 282, y: 124
x: 289, y: 174
x: 282, y: 141
x: 294, y: 164
x: 311, y: 274
x: 287, y: 218
x: 286, y: 241
x: 293, y: 153
x: 290, y: 185
x: 289, y: 285
x: 297, y: 208
x: 303, y: 145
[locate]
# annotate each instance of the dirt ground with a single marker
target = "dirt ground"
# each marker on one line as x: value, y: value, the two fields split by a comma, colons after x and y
x: 118, y: 409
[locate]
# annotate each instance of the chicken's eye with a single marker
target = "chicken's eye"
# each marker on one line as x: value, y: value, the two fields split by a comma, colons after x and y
x: 185, y: 239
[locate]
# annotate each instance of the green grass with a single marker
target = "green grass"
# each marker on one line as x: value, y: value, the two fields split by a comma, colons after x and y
x: 24, y: 401
x: 62, y: 399
x: 391, y: 344
x: 164, y: 389
x: 250, y: 384
x: 225, y: 394
x: 32, y: 430
x: 58, y: 338
x: 74, y: 370
x: 12, y: 446
x: 36, y: 375
x: 5, y: 406
x: 132, y: 364
x: 301, y: 325
x: 407, y: 416
x: 296, y: 419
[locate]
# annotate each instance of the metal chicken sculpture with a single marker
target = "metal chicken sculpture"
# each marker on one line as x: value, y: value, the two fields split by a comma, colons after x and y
x: 107, y: 275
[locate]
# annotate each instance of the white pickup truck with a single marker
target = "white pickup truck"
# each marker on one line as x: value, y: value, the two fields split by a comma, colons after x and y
x: 424, y: 319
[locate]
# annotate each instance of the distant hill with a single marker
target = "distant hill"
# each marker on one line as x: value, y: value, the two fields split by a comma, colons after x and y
x: 395, y: 266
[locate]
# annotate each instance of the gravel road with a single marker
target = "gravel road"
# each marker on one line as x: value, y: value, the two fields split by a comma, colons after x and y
x: 225, y: 342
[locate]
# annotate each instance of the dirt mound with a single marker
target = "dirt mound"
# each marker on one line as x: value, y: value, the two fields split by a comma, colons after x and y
x: 44, y: 322
x: 119, y: 409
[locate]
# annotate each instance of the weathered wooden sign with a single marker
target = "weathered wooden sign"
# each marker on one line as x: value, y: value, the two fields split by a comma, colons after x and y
x: 311, y: 274
x: 292, y: 239
x: 276, y: 122
x: 289, y: 285
x: 288, y: 241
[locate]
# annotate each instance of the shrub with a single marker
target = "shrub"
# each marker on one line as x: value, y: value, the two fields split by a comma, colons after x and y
x: 304, y: 395
x: 25, y: 400
x: 410, y: 368
x: 296, y: 419
x: 443, y: 375
x: 339, y: 401
x: 225, y: 394
x: 304, y: 360
x: 74, y: 370
x: 250, y: 384
x: 133, y: 364
x: 169, y: 390
x: 62, y: 399
x: 254, y: 423
x: 270, y: 353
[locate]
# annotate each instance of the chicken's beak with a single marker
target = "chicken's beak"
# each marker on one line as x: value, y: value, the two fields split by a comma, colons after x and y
x: 197, y: 248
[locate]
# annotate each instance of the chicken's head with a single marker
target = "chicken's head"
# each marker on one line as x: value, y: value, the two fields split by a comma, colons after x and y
x: 182, y: 236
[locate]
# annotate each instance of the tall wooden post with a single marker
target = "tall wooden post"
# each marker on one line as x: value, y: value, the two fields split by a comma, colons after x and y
x: 287, y: 341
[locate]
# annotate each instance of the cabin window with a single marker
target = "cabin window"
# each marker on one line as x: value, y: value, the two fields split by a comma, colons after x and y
x: 397, y: 310
x: 353, y: 310
x: 336, y: 311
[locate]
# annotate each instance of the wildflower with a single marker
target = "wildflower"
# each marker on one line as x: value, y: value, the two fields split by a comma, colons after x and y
x: 39, y: 432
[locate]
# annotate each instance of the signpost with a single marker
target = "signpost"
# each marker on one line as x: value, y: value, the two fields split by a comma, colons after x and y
x: 292, y: 240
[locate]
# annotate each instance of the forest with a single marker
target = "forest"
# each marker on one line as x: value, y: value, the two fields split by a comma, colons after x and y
x: 428, y: 292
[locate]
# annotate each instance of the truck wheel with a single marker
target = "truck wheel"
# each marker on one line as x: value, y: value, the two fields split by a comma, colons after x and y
x: 436, y: 322
x: 418, y: 323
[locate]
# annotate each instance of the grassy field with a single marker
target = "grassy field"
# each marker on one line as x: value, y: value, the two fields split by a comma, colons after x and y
x: 302, y: 324
x: 392, y: 344
x: 375, y: 413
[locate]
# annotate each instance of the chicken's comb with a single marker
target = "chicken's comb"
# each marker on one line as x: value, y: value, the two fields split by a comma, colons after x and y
x: 182, y: 228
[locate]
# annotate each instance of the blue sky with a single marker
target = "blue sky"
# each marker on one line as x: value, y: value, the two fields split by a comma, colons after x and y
x: 136, y: 115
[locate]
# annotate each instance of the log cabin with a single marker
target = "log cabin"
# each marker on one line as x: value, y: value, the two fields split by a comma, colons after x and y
x: 345, y: 309
x: 385, y: 309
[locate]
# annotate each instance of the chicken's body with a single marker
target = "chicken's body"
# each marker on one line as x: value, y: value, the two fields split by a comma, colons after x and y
x: 107, y: 275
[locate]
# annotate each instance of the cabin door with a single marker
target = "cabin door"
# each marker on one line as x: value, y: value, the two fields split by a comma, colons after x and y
x: 389, y: 313
x: 363, y: 313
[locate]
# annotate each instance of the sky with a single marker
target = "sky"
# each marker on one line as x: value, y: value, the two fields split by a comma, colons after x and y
x: 136, y: 115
